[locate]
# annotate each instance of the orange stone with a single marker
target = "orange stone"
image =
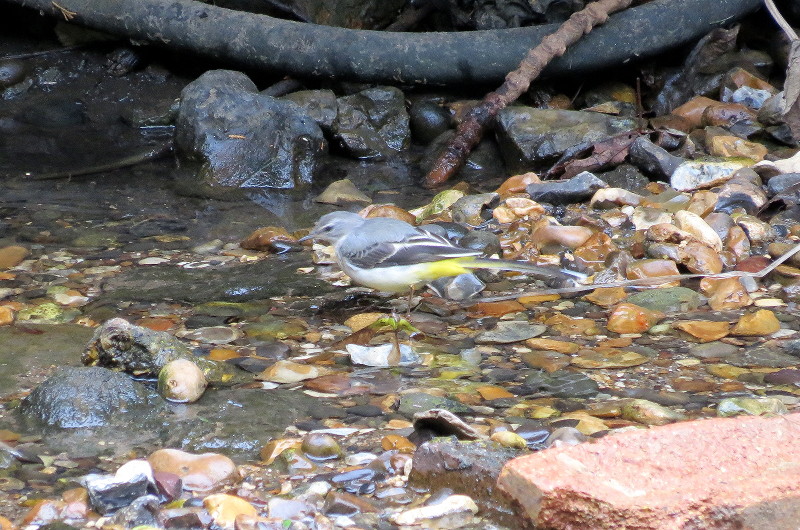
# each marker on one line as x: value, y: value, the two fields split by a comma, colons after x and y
x: 759, y: 323
x: 263, y: 239
x: 566, y: 325
x: 606, y: 296
x: 631, y: 318
x: 6, y: 315
x: 12, y: 256
x: 559, y: 346
x: 494, y: 392
x: 198, y: 472
x: 725, y: 293
x: 704, y: 330
x: 495, y: 309
x: 517, y: 183
x: 390, y: 211
x: 692, y: 110
x: 396, y: 442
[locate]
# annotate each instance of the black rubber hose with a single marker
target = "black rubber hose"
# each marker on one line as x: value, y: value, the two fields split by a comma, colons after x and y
x: 310, y: 50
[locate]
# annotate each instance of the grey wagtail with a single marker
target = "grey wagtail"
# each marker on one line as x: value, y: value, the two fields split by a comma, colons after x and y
x: 394, y: 256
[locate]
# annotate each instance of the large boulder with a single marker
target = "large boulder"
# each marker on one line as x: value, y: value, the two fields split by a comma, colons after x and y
x: 245, y: 139
x: 77, y: 398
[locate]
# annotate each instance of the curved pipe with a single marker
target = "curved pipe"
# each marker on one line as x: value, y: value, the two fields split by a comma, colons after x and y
x: 310, y: 50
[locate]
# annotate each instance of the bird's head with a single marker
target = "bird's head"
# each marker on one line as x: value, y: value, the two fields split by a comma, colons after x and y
x: 334, y: 226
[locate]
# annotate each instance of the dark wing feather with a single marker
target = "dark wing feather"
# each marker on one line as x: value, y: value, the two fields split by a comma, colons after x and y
x: 420, y: 248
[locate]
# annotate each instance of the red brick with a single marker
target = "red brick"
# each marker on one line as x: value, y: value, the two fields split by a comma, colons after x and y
x: 739, y: 472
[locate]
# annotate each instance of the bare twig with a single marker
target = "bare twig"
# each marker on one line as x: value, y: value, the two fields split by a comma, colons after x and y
x: 650, y: 282
x: 66, y: 13
x: 470, y: 131
x: 778, y: 18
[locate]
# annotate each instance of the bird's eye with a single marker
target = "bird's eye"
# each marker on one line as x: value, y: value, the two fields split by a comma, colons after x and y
x: 327, y: 228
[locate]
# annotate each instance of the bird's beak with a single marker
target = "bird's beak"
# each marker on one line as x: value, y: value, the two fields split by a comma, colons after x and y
x: 309, y: 237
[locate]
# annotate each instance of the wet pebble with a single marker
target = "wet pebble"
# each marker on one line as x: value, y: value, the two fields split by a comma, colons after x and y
x: 11, y: 73
x: 224, y: 509
x: 321, y: 447
x: 577, y: 189
x: 650, y: 413
x: 454, y: 511
x: 198, y: 472
x: 181, y: 381
x: 752, y: 406
x: 510, y: 331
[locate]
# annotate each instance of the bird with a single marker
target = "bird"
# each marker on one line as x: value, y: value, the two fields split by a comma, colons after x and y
x: 393, y: 256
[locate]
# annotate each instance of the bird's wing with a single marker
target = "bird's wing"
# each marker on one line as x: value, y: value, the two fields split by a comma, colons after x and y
x: 421, y: 247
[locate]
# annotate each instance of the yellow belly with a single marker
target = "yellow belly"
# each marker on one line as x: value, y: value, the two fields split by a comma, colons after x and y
x: 401, y: 278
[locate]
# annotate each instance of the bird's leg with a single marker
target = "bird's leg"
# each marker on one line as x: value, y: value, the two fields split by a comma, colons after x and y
x: 408, y: 307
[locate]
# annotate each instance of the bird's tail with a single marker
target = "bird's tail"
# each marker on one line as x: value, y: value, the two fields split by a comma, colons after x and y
x: 517, y: 266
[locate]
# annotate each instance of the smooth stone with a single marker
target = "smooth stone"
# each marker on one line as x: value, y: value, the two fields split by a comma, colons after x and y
x: 766, y: 356
x: 198, y: 472
x: 579, y: 188
x: 652, y: 159
x: 415, y: 402
x: 667, y: 300
x: 650, y: 413
x: 752, y: 406
x: 510, y: 331
x: 713, y: 350
x: 561, y: 384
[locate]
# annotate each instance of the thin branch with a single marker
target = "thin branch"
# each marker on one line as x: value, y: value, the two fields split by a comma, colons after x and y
x: 778, y: 18
x: 470, y: 131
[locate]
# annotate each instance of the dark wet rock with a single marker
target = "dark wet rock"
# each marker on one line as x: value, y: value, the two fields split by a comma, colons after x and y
x: 320, y: 105
x: 11, y: 73
x: 75, y: 398
x: 141, y: 512
x: 792, y: 347
x: 428, y: 120
x: 561, y: 384
x: 579, y: 188
x: 781, y: 183
x: 740, y: 194
x: 529, y: 137
x: 238, y: 283
x: 702, y: 73
x: 627, y: 177
x: 667, y: 300
x: 108, y: 493
x: 482, y: 240
x: 473, y: 209
x: 415, y: 402
x: 534, y: 433
x: 786, y: 376
x: 372, y: 123
x: 367, y: 411
x: 244, y: 139
x: 120, y: 345
x: 765, y: 355
x: 240, y: 422
x: 469, y: 468
x: 360, y: 481
x: 652, y: 159
x: 322, y: 412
